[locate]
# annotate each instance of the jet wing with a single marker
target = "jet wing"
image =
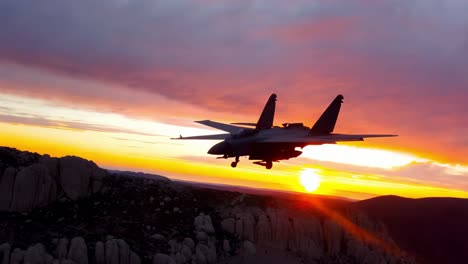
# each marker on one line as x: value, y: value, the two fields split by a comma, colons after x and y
x: 245, y: 124
x: 298, y: 141
x: 213, y: 137
x: 221, y: 126
x: 323, y: 139
x: 349, y: 137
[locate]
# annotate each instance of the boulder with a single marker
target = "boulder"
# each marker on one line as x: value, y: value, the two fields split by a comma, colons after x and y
x: 186, y: 251
x: 163, y: 259
x: 174, y: 245
x: 78, y: 251
x: 211, y: 256
x: 124, y: 252
x: 200, y: 254
x: 17, y: 256
x: 179, y: 258
x: 189, y: 242
x: 33, y: 187
x: 52, y: 164
x: 203, y: 223
x: 229, y: 225
x: 75, y: 175
x: 279, y: 229
x: 26, y: 158
x: 248, y: 248
x: 96, y: 178
x: 134, y: 258
x: 263, y: 230
x: 112, y: 252
x: 245, y: 225
x: 205, y: 253
x: 37, y: 255
x: 202, y: 236
x: 7, y: 183
x: 226, y: 246
x: 62, y: 249
x: 5, y: 253
x: 99, y: 253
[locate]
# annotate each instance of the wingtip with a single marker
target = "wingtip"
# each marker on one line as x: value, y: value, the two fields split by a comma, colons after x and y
x: 201, y: 121
x: 180, y: 137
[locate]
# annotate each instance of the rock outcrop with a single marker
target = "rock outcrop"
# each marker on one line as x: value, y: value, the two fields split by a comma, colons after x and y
x: 7, y: 183
x: 34, y: 187
x: 164, y: 222
x: 308, y: 237
x: 29, y: 180
x: 77, y: 253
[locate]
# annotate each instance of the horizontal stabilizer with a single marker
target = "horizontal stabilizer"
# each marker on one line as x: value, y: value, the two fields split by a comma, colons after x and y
x: 221, y: 126
x: 212, y: 137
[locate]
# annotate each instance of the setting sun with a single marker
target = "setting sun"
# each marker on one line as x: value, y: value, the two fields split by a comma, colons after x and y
x: 310, y: 180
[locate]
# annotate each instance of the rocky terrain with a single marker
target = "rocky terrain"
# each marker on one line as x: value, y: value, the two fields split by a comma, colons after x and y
x: 68, y: 210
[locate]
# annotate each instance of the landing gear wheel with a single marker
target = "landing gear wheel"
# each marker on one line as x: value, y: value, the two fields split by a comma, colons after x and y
x: 233, y: 164
x: 269, y: 165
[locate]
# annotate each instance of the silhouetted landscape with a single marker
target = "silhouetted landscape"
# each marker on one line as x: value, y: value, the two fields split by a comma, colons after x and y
x: 68, y: 210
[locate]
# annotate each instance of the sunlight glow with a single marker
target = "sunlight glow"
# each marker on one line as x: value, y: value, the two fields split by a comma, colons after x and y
x: 122, y: 142
x: 310, y: 180
x: 374, y: 158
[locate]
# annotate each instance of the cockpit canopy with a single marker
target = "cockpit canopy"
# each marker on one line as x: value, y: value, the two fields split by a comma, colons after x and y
x: 291, y: 125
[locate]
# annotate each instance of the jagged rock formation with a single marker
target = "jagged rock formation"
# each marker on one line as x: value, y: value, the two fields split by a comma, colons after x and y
x: 307, y: 236
x: 161, y: 221
x: 115, y: 251
x: 29, y: 180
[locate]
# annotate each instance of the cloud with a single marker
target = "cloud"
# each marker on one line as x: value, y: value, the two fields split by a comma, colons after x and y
x: 422, y: 172
x: 69, y: 125
x: 400, y: 64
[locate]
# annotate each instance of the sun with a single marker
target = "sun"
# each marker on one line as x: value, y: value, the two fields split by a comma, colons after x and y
x: 310, y: 180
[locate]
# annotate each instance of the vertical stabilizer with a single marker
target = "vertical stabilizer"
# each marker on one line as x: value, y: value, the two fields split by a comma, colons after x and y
x: 326, y: 123
x: 268, y: 114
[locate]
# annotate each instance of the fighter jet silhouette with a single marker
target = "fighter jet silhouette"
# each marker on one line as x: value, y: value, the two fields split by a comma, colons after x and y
x: 267, y: 143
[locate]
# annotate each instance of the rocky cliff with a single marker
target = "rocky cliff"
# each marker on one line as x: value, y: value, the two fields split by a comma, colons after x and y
x: 67, y: 210
x: 29, y: 180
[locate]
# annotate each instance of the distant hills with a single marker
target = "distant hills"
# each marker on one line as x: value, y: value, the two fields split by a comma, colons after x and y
x: 434, y: 229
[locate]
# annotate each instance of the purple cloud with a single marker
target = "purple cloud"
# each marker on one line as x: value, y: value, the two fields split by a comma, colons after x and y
x: 400, y: 64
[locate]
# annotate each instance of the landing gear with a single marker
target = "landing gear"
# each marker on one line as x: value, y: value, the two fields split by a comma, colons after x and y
x: 234, y: 163
x: 268, y: 164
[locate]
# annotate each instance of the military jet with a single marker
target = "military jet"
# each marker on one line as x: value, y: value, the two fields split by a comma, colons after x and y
x: 265, y: 143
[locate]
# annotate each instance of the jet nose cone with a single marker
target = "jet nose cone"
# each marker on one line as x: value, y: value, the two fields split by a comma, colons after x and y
x: 220, y: 149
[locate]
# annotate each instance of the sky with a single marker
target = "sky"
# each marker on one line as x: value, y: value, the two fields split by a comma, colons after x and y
x: 113, y: 80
